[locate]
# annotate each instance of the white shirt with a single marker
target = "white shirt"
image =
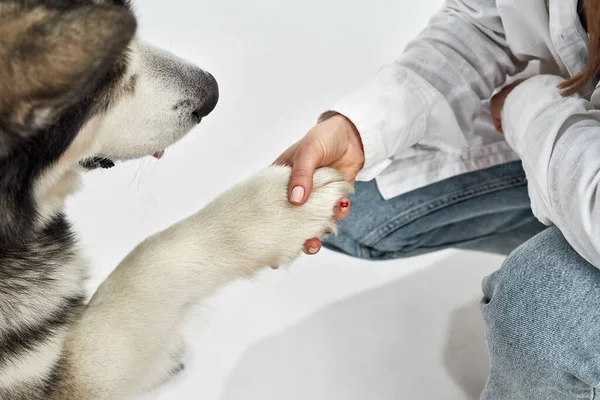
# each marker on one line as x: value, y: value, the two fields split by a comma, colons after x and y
x: 425, y: 117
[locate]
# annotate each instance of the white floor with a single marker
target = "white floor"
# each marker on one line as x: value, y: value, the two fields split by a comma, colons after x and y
x: 331, y: 327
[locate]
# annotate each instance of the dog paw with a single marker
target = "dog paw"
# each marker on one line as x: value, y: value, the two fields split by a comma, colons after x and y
x: 289, y: 226
x: 259, y: 225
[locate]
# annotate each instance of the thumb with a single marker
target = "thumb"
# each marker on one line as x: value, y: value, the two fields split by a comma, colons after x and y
x: 306, y: 160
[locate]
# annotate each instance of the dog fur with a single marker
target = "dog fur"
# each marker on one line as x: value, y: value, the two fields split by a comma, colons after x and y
x: 79, y: 90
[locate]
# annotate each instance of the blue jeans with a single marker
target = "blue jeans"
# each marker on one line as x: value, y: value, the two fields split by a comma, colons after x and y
x: 541, y: 309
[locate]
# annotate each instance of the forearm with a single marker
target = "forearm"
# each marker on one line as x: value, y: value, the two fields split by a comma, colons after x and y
x: 558, y: 140
x: 433, y: 93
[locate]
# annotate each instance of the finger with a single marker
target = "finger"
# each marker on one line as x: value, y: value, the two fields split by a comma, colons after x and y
x: 312, y: 246
x: 305, y: 162
x: 497, y: 124
x: 494, y: 106
x: 342, y: 209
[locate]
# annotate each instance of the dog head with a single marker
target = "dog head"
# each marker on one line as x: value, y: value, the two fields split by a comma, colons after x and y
x: 78, y: 88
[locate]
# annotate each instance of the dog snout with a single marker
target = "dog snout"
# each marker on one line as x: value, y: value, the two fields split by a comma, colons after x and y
x: 207, y: 97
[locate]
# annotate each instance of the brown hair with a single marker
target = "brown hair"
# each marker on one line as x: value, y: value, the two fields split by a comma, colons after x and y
x: 578, y: 82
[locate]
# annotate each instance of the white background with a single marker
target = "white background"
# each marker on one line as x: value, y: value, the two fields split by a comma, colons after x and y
x: 330, y: 327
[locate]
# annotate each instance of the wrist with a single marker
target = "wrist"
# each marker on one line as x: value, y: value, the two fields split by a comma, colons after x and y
x: 354, y: 141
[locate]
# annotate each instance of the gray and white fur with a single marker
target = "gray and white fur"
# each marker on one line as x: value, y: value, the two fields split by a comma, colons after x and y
x: 79, y: 90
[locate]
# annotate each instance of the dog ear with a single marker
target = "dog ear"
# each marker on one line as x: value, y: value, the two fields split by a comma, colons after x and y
x: 50, y: 58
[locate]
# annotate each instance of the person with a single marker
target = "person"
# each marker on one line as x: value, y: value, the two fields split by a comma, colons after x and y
x: 440, y: 165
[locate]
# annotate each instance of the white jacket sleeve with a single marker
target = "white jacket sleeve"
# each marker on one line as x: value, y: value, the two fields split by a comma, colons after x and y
x: 558, y: 140
x: 434, y: 92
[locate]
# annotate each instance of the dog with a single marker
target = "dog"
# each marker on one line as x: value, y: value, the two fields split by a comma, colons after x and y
x: 78, y: 91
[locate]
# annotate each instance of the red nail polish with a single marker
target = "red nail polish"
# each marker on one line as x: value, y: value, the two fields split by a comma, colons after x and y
x: 344, y: 204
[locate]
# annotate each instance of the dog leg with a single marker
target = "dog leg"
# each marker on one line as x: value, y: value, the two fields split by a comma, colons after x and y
x: 138, y: 310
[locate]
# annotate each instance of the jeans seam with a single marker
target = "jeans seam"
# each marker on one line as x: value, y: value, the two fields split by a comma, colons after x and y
x: 363, y: 252
x: 408, y: 216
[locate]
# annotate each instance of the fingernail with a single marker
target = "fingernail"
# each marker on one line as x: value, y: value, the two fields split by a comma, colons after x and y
x: 297, y: 195
x: 313, y: 250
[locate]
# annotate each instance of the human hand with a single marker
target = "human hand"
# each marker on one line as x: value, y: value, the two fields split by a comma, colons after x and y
x: 497, y: 104
x: 333, y: 143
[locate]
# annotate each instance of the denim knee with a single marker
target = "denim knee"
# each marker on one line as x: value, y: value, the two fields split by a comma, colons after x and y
x: 542, y: 318
x: 487, y: 210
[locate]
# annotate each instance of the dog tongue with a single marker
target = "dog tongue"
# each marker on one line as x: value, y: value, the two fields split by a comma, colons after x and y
x: 158, y: 155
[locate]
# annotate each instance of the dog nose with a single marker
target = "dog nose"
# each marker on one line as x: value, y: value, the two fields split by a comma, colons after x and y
x: 208, y: 96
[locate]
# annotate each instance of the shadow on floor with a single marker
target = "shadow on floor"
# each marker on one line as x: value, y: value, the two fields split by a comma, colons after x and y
x: 465, y: 356
x: 420, y: 337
